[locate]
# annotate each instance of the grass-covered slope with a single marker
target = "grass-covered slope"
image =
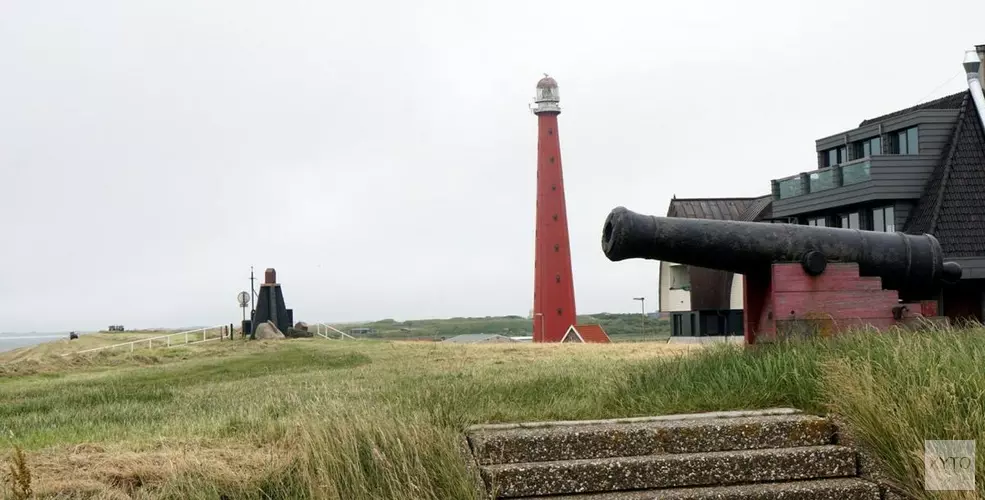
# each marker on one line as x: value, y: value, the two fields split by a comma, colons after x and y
x: 620, y: 327
x: 313, y: 418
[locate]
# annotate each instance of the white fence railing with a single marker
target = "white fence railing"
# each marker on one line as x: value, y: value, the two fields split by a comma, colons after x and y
x: 323, y: 329
x: 197, y: 336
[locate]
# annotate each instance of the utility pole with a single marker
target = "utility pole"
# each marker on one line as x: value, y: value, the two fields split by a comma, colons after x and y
x: 253, y: 294
x: 642, y: 315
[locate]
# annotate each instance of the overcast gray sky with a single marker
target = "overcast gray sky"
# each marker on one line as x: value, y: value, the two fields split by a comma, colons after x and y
x: 380, y: 154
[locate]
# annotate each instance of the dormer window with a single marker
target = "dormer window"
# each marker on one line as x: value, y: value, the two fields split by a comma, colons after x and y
x: 904, y: 142
x: 835, y: 156
x: 867, y: 148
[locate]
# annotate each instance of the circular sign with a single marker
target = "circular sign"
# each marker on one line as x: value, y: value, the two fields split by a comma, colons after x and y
x: 243, y: 298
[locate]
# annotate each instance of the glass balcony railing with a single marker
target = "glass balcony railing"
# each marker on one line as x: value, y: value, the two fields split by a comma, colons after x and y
x: 856, y: 172
x: 790, y: 187
x: 821, y: 180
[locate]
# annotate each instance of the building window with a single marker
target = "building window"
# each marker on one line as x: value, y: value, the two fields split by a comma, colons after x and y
x: 884, y: 219
x: 867, y: 148
x: 851, y: 221
x: 905, y: 142
x: 680, y: 278
x: 835, y: 156
x: 817, y: 221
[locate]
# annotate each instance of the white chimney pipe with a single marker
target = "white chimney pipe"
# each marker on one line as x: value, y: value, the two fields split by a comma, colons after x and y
x: 981, y: 55
x: 973, y: 68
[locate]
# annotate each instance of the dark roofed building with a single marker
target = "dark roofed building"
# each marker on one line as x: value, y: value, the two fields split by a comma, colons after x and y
x: 703, y: 301
x: 919, y: 170
x: 951, y: 205
x: 952, y: 208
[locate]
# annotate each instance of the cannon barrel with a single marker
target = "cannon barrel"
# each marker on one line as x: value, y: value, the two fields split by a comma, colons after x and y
x: 911, y: 264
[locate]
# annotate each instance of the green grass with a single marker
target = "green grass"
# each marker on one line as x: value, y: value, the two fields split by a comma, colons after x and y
x: 310, y: 418
x: 620, y: 327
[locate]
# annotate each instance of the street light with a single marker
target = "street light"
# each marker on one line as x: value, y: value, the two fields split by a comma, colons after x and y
x: 642, y: 316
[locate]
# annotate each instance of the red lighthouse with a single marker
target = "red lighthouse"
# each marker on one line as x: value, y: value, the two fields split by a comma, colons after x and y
x: 554, y: 290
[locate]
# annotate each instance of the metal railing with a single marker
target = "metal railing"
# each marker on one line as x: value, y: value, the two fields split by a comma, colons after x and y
x: 322, y: 329
x: 189, y: 337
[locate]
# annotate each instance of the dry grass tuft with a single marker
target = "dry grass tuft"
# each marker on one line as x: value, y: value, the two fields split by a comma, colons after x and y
x: 82, y: 470
x: 18, y: 478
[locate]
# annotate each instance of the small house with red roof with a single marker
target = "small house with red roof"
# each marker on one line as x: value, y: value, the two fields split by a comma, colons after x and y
x: 591, y: 334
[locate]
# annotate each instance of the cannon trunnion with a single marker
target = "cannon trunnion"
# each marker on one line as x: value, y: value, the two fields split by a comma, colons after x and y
x: 797, y: 278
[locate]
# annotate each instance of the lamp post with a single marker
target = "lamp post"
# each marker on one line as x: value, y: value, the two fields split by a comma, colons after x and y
x: 642, y: 316
x: 253, y: 293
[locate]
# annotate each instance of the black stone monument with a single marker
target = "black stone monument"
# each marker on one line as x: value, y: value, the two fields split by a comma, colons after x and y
x: 270, y: 305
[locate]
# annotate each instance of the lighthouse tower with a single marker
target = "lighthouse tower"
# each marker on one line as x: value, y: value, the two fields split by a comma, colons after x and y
x: 554, y: 291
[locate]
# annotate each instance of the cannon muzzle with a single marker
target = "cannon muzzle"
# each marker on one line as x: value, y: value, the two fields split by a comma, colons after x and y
x: 911, y: 264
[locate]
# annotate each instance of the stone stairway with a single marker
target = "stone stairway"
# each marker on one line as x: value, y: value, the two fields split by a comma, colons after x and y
x: 772, y: 454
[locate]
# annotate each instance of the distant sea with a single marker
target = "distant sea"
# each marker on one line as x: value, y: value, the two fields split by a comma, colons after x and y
x: 10, y: 341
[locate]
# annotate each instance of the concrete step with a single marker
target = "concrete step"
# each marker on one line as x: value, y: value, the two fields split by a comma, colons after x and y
x: 668, y: 471
x: 635, y: 420
x: 823, y: 489
x: 604, y: 439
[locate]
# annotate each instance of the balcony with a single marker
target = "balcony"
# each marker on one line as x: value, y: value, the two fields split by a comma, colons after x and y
x: 846, y: 174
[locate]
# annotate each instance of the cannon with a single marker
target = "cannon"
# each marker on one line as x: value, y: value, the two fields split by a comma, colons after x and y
x: 797, y: 279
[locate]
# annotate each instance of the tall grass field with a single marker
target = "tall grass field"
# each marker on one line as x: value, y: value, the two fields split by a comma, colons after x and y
x: 320, y: 419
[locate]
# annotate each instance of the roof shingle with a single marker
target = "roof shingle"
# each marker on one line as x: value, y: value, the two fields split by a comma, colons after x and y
x: 759, y: 209
x: 588, y: 334
x: 952, y: 207
x: 710, y: 208
x: 953, y: 101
